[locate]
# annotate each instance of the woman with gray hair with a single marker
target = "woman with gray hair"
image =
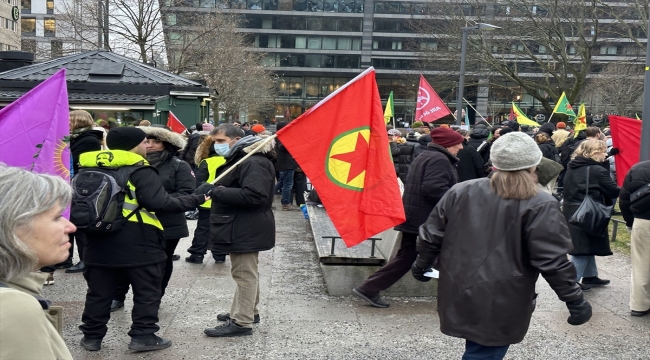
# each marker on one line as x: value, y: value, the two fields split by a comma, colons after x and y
x: 33, y: 234
x: 489, y: 257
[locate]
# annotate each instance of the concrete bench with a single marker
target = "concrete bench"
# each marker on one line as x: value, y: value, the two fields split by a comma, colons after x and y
x: 345, y: 268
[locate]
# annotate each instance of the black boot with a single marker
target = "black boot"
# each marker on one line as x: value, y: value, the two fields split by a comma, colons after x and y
x: 594, y: 281
x: 91, y: 344
x: 79, y: 267
x: 194, y: 259
x: 149, y: 343
x: 219, y: 258
x: 116, y: 305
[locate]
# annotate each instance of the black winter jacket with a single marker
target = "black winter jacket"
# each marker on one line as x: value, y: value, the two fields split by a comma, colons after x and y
x: 138, y: 244
x: 636, y: 178
x: 489, y: 264
x: 178, y: 180
x: 241, y: 219
x: 188, y: 153
x: 569, y: 146
x: 402, y: 158
x: 602, y: 189
x: 284, y: 159
x: 470, y: 164
x: 423, y: 141
x: 432, y: 173
x: 86, y: 141
x: 549, y: 150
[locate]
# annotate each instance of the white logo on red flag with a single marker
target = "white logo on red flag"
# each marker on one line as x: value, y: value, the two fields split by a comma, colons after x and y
x: 429, y: 106
x: 423, y: 98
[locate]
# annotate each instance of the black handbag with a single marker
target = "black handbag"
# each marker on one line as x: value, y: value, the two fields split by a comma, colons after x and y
x: 639, y: 199
x: 591, y: 217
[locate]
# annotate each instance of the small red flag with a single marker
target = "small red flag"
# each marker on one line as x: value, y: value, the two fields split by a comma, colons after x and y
x: 429, y: 106
x: 347, y: 160
x: 175, y: 124
x: 626, y: 136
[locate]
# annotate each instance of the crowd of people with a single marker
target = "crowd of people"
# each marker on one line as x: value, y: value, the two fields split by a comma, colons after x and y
x: 134, y: 187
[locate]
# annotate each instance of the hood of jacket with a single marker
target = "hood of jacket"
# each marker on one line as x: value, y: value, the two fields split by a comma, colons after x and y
x: 442, y: 149
x: 424, y: 140
x: 580, y: 161
x: 165, y: 136
x: 80, y: 133
x: 249, y: 143
x: 547, y: 170
x: 111, y: 158
x: 205, y: 149
x: 548, y: 128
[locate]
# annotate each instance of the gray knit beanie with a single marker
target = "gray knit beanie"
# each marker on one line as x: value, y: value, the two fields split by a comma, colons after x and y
x: 515, y: 151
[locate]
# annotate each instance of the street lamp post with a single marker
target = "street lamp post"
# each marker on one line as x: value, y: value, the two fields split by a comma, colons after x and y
x: 463, y: 51
x: 645, y: 125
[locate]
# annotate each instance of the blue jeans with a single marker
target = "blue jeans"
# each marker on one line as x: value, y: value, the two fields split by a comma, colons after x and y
x: 285, y: 182
x: 585, y: 266
x: 474, y: 351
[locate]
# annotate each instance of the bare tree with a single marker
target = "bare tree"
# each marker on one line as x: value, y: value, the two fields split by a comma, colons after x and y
x: 219, y: 54
x: 617, y: 89
x: 134, y: 27
x: 545, y: 45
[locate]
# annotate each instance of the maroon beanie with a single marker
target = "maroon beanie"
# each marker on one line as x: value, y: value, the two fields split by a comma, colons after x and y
x: 446, y: 137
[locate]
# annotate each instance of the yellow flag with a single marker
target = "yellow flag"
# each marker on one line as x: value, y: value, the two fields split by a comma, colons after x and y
x: 580, y: 122
x: 390, y: 109
x: 521, y: 118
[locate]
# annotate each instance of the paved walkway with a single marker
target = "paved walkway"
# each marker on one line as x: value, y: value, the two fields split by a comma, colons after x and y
x: 300, y: 321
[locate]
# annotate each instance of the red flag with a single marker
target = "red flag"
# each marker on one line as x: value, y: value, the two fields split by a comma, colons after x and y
x: 347, y: 160
x: 512, y: 115
x: 175, y: 124
x: 429, y: 106
x: 626, y: 136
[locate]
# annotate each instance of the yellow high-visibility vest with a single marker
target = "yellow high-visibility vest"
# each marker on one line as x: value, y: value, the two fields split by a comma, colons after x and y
x: 116, y: 159
x: 213, y: 162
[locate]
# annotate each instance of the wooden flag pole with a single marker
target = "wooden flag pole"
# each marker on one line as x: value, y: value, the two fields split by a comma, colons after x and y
x: 258, y: 148
x: 479, y: 114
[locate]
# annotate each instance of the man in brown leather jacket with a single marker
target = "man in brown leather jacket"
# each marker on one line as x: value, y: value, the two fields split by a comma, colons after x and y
x: 490, y: 256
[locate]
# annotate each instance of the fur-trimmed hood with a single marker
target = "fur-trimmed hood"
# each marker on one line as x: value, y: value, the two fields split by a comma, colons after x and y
x: 164, y: 135
x: 205, y: 149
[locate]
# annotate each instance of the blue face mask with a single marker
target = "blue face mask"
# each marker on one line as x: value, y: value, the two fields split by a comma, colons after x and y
x: 222, y: 149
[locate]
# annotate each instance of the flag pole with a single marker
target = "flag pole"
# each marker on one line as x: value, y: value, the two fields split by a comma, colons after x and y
x: 258, y: 148
x: 473, y: 108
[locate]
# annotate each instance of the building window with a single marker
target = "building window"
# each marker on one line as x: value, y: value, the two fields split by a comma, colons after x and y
x: 517, y: 47
x: 56, y: 49
x: 386, y: 45
x: 49, y: 5
x: 28, y: 45
x: 428, y: 45
x: 176, y: 38
x: 170, y: 19
x: 608, y: 50
x: 571, y: 50
x: 49, y: 26
x: 541, y: 49
x: 26, y: 5
x: 28, y: 25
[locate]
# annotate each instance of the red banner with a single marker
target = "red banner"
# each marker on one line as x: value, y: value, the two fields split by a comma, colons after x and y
x: 626, y: 137
x: 429, y: 106
x: 347, y: 160
x: 174, y: 124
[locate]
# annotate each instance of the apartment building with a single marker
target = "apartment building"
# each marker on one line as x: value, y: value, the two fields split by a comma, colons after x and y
x: 9, y: 25
x: 315, y: 46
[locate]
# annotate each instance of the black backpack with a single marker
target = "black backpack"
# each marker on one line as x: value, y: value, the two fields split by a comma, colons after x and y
x: 98, y: 197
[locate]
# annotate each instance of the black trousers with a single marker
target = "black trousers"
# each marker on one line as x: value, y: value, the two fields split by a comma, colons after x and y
x: 388, y: 275
x: 201, y: 234
x: 123, y: 283
x: 102, y: 284
x: 299, y: 187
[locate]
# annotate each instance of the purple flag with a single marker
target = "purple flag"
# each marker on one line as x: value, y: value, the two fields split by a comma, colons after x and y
x: 35, y: 129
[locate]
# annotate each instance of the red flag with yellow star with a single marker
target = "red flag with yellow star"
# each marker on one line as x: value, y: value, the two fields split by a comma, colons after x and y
x: 342, y: 146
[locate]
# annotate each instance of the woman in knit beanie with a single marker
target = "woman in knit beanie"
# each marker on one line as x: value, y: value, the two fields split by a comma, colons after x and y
x: 489, y: 256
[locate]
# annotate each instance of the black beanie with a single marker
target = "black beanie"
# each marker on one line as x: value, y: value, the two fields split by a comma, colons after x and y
x: 124, y: 138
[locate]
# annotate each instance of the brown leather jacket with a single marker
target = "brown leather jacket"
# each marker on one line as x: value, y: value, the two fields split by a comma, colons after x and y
x: 490, y: 257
